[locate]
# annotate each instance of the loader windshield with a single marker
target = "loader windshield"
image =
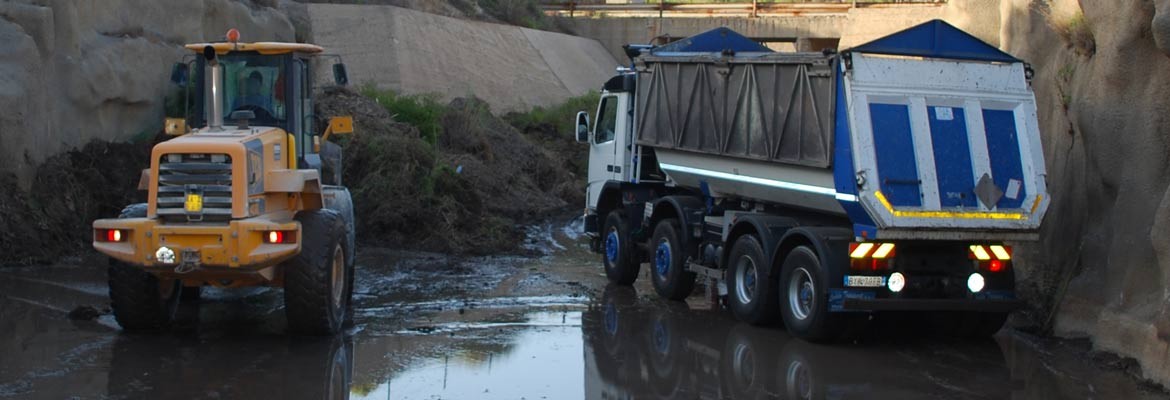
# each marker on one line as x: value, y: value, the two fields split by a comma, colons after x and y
x: 255, y: 83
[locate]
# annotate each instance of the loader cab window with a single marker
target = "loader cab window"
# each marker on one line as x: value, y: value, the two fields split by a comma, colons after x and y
x: 256, y: 83
x: 606, y: 120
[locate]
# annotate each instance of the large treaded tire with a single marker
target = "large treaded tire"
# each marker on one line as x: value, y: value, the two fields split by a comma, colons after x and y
x: 755, y: 302
x: 138, y: 299
x: 313, y: 303
x: 804, y: 297
x: 668, y: 267
x: 618, y: 250
x: 341, y: 201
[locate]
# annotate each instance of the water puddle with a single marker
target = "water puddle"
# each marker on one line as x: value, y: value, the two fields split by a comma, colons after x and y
x: 543, y: 362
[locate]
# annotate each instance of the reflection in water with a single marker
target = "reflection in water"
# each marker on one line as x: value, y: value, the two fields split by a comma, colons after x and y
x: 231, y: 367
x: 538, y: 358
x: 644, y: 349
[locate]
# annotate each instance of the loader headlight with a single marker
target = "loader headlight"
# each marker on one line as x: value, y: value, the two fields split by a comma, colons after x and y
x: 165, y: 255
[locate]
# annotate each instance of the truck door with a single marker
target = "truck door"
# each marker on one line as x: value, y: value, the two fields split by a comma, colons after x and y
x: 603, y: 162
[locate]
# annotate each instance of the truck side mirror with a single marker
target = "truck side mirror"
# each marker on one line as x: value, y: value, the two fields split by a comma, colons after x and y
x: 339, y: 75
x: 179, y: 74
x: 582, y: 127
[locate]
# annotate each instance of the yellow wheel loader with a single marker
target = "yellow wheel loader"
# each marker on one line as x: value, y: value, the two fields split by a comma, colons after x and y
x: 253, y: 200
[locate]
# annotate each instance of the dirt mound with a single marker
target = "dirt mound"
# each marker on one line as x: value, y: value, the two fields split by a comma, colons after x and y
x: 69, y: 191
x: 466, y: 193
x: 518, y: 179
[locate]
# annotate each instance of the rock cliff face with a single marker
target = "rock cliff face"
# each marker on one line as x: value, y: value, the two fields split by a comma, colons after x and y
x: 72, y: 71
x: 1102, y: 79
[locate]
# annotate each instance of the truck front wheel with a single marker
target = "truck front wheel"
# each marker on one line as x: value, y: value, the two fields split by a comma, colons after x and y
x: 804, y: 296
x: 621, y: 264
x: 671, y: 278
x: 751, y: 294
x: 316, y: 282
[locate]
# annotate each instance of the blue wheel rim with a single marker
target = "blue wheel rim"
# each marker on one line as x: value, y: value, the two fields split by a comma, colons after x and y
x: 611, y: 247
x: 662, y: 258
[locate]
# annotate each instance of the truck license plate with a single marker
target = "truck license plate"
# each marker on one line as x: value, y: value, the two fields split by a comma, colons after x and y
x: 864, y: 281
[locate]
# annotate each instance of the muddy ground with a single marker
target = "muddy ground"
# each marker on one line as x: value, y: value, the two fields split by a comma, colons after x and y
x: 543, y: 326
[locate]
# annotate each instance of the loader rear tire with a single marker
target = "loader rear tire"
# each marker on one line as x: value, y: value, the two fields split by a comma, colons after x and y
x: 316, y: 280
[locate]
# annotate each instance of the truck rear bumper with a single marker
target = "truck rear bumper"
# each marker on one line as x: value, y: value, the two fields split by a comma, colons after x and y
x: 986, y: 305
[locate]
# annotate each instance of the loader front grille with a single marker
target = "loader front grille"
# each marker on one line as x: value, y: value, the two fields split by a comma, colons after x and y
x: 209, y: 176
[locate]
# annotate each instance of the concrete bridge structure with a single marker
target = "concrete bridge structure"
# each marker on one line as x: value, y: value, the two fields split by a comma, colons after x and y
x: 784, y: 27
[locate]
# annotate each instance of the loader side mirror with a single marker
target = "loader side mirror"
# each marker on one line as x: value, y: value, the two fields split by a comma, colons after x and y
x: 582, y: 127
x: 179, y: 74
x: 339, y: 76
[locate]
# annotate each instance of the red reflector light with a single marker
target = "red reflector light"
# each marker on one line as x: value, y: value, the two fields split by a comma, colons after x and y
x: 111, y: 235
x: 995, y: 266
x: 275, y: 237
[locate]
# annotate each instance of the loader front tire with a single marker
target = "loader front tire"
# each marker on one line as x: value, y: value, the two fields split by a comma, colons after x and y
x: 140, y: 301
x: 316, y: 292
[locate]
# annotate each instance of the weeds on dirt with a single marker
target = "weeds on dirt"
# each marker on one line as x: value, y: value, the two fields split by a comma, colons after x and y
x: 554, y: 128
x: 1072, y: 26
x: 421, y: 110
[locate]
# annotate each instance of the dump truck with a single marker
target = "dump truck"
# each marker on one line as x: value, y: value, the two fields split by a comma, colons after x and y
x: 820, y: 188
x: 252, y: 201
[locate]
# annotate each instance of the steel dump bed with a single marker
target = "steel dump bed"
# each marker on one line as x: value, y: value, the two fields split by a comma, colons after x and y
x: 927, y: 133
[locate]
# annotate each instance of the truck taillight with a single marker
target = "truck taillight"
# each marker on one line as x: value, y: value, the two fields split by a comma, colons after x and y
x: 991, y: 258
x: 870, y: 256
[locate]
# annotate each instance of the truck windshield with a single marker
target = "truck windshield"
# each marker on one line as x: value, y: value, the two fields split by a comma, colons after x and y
x: 255, y: 83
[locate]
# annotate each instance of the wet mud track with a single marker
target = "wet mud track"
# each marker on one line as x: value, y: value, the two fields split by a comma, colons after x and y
x: 540, y: 326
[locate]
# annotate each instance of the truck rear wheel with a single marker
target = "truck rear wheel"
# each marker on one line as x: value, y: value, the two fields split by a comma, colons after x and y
x: 804, y: 296
x: 751, y: 291
x: 671, y: 278
x: 141, y: 301
x: 316, y: 282
x: 621, y: 264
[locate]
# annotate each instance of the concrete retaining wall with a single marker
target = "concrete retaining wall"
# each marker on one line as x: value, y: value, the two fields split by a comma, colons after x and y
x: 407, y: 51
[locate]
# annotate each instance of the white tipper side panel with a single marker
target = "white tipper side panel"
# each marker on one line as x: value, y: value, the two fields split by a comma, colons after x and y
x: 971, y: 86
x: 730, y: 177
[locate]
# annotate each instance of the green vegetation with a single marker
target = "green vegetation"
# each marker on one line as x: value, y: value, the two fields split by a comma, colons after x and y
x: 554, y: 128
x: 420, y: 110
x: 1074, y: 29
x: 560, y: 116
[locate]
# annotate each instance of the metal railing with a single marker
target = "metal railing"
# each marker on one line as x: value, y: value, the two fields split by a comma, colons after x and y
x: 750, y: 8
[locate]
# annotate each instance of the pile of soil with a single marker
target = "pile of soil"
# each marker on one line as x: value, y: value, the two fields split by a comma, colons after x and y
x: 70, y: 190
x: 468, y: 193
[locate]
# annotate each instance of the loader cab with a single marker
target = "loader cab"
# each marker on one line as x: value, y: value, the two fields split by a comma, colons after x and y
x: 609, y: 136
x: 276, y: 88
x: 267, y: 84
